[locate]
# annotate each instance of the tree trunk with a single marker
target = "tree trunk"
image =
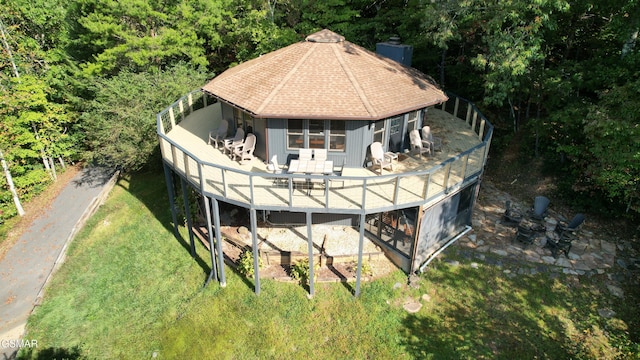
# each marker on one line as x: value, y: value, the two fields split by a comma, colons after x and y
x: 7, y: 173
x: 53, y: 169
x: 442, y: 61
x: 6, y: 45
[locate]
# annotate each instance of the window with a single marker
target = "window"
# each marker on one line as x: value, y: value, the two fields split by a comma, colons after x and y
x: 412, y: 123
x: 378, y: 133
x: 295, y: 135
x: 237, y: 118
x: 337, y: 135
x: 316, y: 134
x: 242, y: 120
x: 395, y: 125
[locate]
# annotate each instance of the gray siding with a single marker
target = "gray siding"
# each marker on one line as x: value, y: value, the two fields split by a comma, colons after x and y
x: 358, y: 138
x: 442, y: 222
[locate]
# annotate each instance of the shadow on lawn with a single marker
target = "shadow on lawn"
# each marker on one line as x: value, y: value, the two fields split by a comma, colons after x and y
x: 52, y: 353
x: 491, y: 317
x: 150, y: 188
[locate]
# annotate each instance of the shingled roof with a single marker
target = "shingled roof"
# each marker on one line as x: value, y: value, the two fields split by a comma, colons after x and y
x: 325, y: 77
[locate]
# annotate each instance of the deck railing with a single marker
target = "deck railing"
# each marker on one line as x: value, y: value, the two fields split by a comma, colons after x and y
x: 343, y: 194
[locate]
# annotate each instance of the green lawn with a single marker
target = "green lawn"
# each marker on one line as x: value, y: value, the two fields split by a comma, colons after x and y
x: 130, y: 290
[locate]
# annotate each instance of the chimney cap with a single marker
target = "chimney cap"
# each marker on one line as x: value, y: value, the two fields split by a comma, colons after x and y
x: 394, y: 39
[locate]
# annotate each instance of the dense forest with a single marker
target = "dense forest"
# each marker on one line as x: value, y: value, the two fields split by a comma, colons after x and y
x: 81, y: 81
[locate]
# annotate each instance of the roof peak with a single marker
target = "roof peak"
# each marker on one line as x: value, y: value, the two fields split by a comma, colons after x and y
x: 325, y: 36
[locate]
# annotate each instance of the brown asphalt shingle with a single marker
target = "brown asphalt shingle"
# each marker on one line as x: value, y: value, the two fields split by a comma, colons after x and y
x: 325, y: 77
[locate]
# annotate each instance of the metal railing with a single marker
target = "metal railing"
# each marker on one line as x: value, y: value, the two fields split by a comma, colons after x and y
x: 355, y: 195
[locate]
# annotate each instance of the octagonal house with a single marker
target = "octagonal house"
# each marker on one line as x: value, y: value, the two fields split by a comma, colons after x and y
x: 355, y: 114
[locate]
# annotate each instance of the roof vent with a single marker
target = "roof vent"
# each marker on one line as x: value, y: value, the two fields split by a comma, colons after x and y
x: 395, y: 40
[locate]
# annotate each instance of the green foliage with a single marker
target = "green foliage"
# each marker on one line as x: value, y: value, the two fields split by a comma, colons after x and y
x: 138, y: 35
x: 245, y: 264
x: 120, y: 125
x: 612, y: 130
x: 367, y: 269
x: 300, y: 271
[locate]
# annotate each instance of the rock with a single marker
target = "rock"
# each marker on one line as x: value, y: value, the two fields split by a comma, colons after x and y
x: 499, y: 252
x: 506, y: 271
x: 615, y: 291
x: 412, y: 307
x: 561, y: 261
x: 607, y: 247
x: 569, y: 271
x: 606, y: 313
x: 242, y: 230
x: 473, y: 237
x: 426, y: 297
x: 453, y: 262
x: 548, y: 259
x: 397, y: 286
x: 474, y: 265
x: 621, y: 263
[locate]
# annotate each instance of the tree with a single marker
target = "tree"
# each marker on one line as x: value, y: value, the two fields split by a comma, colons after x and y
x: 120, y: 126
x: 137, y: 35
x: 612, y: 130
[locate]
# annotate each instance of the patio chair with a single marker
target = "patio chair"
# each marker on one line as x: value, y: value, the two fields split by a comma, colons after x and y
x: 540, y: 206
x: 511, y: 216
x: 277, y: 170
x: 557, y: 246
x: 305, y: 154
x: 435, y: 143
x: 320, y: 154
x: 379, y: 159
x: 525, y: 234
x: 336, y: 176
x: 218, y: 136
x: 245, y: 150
x: 231, y: 143
x: 416, y: 143
x: 568, y: 231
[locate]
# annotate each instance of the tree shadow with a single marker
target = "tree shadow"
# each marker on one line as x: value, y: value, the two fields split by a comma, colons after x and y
x: 151, y: 190
x: 49, y: 353
x: 494, y: 317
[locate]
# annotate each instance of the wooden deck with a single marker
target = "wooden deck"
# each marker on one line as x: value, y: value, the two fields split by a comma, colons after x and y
x: 415, y: 181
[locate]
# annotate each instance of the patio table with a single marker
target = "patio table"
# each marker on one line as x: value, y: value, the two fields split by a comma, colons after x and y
x: 311, y: 166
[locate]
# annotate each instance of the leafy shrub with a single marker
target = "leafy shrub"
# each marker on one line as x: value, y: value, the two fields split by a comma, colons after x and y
x: 245, y: 263
x: 300, y: 271
x: 367, y: 269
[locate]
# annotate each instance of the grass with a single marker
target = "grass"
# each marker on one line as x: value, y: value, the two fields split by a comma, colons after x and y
x: 130, y: 290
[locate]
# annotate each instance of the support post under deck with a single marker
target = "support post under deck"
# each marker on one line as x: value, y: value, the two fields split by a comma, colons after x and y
x: 216, y: 224
x: 310, y: 244
x: 360, y: 246
x: 187, y: 211
x: 254, y: 239
x: 169, y: 180
x: 213, y: 273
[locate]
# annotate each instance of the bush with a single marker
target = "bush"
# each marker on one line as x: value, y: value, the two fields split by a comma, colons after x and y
x: 245, y: 263
x: 300, y: 271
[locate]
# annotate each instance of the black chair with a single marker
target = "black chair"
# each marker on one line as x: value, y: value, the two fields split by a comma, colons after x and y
x: 510, y: 216
x: 566, y: 235
x: 558, y: 246
x: 540, y: 206
x: 525, y: 234
x: 568, y: 231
